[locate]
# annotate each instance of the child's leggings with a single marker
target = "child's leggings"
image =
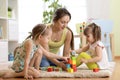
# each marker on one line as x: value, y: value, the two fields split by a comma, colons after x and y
x: 86, y: 56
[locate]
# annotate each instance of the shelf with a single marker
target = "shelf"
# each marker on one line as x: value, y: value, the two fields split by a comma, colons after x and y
x: 9, y: 28
x: 3, y: 18
x: 3, y: 8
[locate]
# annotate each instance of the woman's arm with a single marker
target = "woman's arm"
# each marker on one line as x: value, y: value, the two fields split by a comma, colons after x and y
x: 52, y: 55
x: 66, y: 49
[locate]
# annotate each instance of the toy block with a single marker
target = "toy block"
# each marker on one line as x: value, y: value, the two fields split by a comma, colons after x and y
x: 95, y: 69
x: 50, y: 69
x: 73, y: 58
x: 70, y: 70
x: 73, y: 62
x: 69, y: 61
x: 68, y: 65
x: 75, y: 69
x: 57, y: 69
x: 43, y: 68
x: 73, y: 65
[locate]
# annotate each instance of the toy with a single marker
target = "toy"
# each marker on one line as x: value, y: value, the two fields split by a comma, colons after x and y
x: 50, y: 69
x: 57, y: 69
x: 71, y: 64
x: 96, y: 70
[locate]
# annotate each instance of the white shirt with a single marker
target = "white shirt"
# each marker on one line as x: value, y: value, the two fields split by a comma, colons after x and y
x: 103, y: 63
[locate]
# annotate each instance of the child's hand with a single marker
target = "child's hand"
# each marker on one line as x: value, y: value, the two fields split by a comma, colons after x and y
x: 63, y: 66
x: 71, y: 51
x: 27, y: 77
x: 83, y: 60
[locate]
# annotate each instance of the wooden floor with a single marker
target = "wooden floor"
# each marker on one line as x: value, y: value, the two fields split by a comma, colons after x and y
x: 115, y: 76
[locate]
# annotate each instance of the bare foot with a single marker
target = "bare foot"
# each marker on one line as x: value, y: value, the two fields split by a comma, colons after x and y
x: 1, y: 79
x: 3, y: 72
x: 9, y: 74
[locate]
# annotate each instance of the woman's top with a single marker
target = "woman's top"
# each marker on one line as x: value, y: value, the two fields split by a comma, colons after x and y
x: 19, y: 57
x: 103, y: 63
x: 55, y: 46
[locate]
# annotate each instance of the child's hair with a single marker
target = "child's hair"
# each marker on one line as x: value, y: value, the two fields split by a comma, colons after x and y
x: 39, y: 29
x: 94, y: 29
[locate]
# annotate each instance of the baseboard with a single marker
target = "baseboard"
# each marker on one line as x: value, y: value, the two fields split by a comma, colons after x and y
x: 117, y: 57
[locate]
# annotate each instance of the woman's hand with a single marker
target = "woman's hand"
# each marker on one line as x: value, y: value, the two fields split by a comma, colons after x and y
x: 63, y: 66
x: 64, y: 59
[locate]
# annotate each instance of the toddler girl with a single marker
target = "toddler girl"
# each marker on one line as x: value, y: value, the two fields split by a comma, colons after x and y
x: 96, y: 56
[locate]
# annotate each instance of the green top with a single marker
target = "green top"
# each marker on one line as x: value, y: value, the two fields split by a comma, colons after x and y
x: 55, y: 46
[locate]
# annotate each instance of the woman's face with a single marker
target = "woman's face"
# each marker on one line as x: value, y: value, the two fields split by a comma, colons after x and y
x: 62, y: 22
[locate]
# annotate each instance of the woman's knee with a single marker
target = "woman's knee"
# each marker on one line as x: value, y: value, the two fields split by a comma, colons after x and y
x: 44, y: 62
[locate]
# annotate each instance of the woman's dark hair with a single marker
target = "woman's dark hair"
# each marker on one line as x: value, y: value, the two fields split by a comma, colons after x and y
x: 94, y: 29
x: 59, y: 13
x: 72, y: 40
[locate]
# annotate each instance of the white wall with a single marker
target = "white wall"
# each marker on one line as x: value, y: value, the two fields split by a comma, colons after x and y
x: 98, y: 9
x: 30, y: 14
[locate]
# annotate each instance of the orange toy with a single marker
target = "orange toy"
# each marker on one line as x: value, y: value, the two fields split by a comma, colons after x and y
x: 96, y: 70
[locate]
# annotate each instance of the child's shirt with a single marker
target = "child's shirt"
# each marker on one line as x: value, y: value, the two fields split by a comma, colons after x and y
x: 19, y: 58
x: 103, y: 63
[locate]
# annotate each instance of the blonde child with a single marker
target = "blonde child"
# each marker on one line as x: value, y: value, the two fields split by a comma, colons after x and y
x: 96, y: 56
x: 27, y: 56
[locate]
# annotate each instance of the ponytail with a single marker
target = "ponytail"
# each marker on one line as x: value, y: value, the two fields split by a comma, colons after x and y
x: 29, y: 35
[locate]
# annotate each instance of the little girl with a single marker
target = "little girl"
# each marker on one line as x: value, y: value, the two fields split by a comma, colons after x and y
x: 28, y: 55
x: 96, y: 56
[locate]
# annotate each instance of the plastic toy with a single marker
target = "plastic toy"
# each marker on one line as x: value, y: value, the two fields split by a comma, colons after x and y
x: 50, y: 69
x: 96, y: 70
x: 71, y: 64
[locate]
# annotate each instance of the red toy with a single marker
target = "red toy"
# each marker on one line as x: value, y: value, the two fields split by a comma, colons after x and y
x: 50, y: 69
x: 96, y: 70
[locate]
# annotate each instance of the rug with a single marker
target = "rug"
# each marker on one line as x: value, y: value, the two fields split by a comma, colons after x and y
x: 82, y: 72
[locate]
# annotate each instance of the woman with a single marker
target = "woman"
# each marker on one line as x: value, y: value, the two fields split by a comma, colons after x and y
x: 61, y: 35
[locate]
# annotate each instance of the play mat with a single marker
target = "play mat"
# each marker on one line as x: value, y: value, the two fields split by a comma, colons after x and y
x: 82, y: 72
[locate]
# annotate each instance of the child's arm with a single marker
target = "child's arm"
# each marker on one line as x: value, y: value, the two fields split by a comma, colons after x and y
x: 84, y: 49
x: 52, y: 55
x: 28, y: 48
x: 98, y: 56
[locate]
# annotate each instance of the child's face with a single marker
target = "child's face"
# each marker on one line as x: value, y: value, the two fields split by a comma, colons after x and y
x: 45, y: 38
x: 90, y: 38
